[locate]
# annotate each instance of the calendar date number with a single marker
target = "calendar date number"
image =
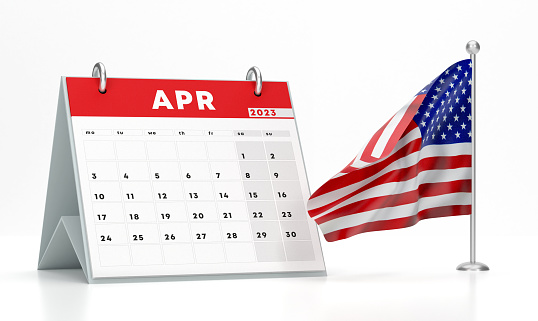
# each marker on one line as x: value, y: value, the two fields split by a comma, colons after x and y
x: 105, y: 238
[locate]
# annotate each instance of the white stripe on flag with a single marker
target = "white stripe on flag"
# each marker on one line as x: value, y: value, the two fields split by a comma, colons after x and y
x: 389, y: 130
x: 390, y: 213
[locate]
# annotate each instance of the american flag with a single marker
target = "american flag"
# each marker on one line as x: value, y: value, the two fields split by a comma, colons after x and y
x: 417, y: 166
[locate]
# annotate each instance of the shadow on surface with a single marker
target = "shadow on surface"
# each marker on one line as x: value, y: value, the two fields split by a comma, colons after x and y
x: 64, y: 294
x: 63, y: 276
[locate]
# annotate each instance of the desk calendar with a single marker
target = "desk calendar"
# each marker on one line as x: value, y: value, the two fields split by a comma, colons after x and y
x: 177, y: 179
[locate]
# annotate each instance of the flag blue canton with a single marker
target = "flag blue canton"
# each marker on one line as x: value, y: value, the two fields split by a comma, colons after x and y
x: 444, y: 116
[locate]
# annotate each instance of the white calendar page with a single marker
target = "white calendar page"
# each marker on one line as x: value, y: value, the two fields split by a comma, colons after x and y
x: 190, y: 178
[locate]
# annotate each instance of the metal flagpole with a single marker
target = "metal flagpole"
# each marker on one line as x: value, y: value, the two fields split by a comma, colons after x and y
x: 473, y: 48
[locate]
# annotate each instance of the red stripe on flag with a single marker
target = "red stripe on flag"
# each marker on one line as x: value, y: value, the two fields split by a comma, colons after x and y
x: 402, y: 125
x: 362, y: 174
x: 424, y: 190
x: 350, y: 168
x: 367, y: 153
x: 402, y: 174
x: 444, y: 211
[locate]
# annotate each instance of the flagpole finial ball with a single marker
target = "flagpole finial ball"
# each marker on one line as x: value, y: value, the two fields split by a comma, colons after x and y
x: 473, y: 47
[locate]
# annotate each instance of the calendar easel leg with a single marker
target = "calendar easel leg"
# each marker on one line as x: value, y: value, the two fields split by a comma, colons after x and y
x: 61, y: 239
x: 65, y: 249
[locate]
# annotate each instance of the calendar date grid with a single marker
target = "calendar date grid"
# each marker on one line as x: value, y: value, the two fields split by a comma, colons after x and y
x: 214, y: 177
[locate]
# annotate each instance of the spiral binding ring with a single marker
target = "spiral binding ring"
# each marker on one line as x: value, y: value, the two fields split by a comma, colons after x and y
x: 99, y: 71
x: 258, y: 77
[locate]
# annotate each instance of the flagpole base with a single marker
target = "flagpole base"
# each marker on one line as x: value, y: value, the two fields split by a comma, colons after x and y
x: 469, y: 266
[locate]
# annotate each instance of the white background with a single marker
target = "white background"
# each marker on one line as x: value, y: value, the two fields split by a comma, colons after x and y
x: 350, y: 66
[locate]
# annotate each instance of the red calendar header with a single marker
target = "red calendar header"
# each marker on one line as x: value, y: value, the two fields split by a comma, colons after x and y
x: 177, y: 98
